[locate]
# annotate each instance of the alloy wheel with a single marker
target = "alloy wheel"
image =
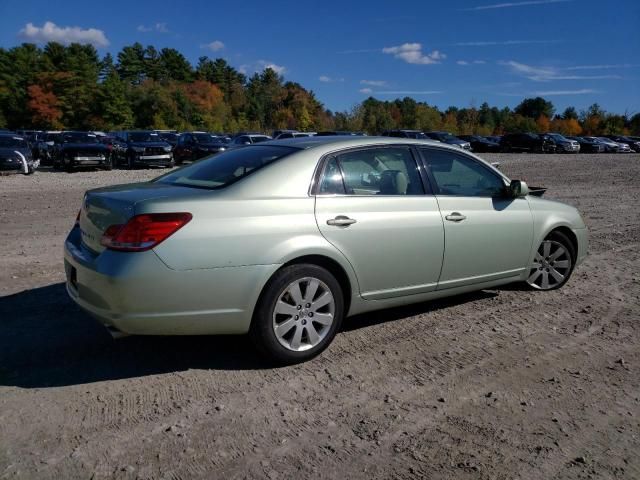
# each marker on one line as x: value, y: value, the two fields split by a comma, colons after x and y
x: 550, y: 267
x: 303, y: 314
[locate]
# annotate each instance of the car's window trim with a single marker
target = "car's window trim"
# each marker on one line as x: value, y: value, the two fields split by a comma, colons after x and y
x: 318, y: 175
x: 432, y: 179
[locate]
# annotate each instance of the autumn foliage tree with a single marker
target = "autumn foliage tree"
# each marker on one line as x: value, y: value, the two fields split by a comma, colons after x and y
x: 71, y: 87
x: 43, y: 105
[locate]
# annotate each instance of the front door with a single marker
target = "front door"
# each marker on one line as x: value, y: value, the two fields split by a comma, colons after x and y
x: 488, y: 235
x: 372, y: 206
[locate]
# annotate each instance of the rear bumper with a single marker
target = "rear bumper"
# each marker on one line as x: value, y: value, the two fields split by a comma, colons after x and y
x: 136, y: 293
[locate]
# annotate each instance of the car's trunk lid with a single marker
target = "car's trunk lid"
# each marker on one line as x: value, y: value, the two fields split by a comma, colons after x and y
x: 115, y: 205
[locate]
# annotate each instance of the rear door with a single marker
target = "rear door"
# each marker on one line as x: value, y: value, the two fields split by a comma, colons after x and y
x: 372, y: 205
x: 488, y: 235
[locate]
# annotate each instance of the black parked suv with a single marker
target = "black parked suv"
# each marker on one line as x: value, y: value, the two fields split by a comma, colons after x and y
x: 527, y: 142
x: 405, y: 134
x: 195, y: 145
x: 481, y: 144
x: 146, y: 148
x: 81, y: 149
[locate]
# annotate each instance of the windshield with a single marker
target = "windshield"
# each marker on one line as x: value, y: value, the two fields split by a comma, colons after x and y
x: 80, y: 138
x: 557, y: 136
x: 13, y: 142
x: 172, y: 137
x: 225, y: 168
x: 144, y: 137
x: 260, y: 139
x: 205, y: 138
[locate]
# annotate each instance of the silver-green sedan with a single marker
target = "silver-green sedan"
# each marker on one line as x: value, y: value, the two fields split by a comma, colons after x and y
x: 284, y: 239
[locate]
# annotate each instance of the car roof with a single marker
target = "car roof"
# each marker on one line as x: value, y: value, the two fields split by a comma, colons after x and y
x: 338, y: 141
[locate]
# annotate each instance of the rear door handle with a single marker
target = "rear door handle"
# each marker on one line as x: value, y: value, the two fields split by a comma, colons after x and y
x: 455, y: 217
x: 341, y: 221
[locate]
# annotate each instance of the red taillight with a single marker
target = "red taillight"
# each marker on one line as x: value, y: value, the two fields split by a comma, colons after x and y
x: 143, y: 232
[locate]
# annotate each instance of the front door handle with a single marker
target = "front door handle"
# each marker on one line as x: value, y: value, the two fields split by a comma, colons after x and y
x: 341, y: 221
x: 455, y: 217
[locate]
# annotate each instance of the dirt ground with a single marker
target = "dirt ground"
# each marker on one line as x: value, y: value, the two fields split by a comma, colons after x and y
x: 499, y: 384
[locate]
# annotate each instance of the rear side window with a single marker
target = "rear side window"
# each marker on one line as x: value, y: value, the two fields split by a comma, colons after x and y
x: 373, y: 171
x: 225, y: 168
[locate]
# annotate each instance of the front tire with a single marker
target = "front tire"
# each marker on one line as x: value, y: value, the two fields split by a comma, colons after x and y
x: 108, y: 163
x: 298, y: 314
x: 553, y: 263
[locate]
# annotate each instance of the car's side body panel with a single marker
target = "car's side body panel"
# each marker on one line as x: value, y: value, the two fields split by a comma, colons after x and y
x: 494, y: 241
x: 395, y: 246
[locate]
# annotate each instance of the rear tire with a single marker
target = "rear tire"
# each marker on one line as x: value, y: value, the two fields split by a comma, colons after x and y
x: 108, y: 164
x: 68, y: 165
x: 298, y: 314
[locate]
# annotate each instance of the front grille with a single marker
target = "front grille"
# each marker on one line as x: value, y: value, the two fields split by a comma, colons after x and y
x: 154, y: 151
x: 87, y: 153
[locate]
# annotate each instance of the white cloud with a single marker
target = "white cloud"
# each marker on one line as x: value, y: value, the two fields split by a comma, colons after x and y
x: 516, y: 4
x: 583, y: 91
x: 264, y: 64
x: 50, y: 32
x: 602, y: 67
x: 546, y: 74
x: 470, y: 62
x: 259, y: 66
x: 328, y: 79
x: 503, y: 42
x: 409, y: 92
x: 412, y: 53
x: 160, y: 27
x: 213, y: 46
x: 374, y: 83
x: 369, y: 91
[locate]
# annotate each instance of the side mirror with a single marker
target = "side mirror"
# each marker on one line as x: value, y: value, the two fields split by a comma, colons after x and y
x: 518, y: 189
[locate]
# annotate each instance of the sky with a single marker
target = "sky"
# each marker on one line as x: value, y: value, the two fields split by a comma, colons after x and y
x: 461, y: 53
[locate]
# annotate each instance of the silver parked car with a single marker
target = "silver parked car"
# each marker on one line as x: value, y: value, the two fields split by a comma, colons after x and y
x: 284, y: 239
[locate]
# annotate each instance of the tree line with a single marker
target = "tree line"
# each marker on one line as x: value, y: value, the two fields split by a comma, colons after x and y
x: 71, y: 87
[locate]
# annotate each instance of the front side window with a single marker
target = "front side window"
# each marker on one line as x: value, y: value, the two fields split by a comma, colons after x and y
x: 459, y: 175
x: 374, y: 171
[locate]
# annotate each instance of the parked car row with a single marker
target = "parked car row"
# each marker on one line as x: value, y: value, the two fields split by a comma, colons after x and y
x: 69, y: 150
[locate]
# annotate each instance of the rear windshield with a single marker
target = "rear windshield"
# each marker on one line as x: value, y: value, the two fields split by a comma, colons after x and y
x: 225, y: 168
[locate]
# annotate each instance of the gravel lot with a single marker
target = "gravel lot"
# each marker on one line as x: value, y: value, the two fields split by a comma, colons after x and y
x: 499, y: 384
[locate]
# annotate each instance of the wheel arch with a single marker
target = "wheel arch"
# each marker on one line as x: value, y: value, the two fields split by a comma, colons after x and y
x: 347, y: 283
x: 567, y: 232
